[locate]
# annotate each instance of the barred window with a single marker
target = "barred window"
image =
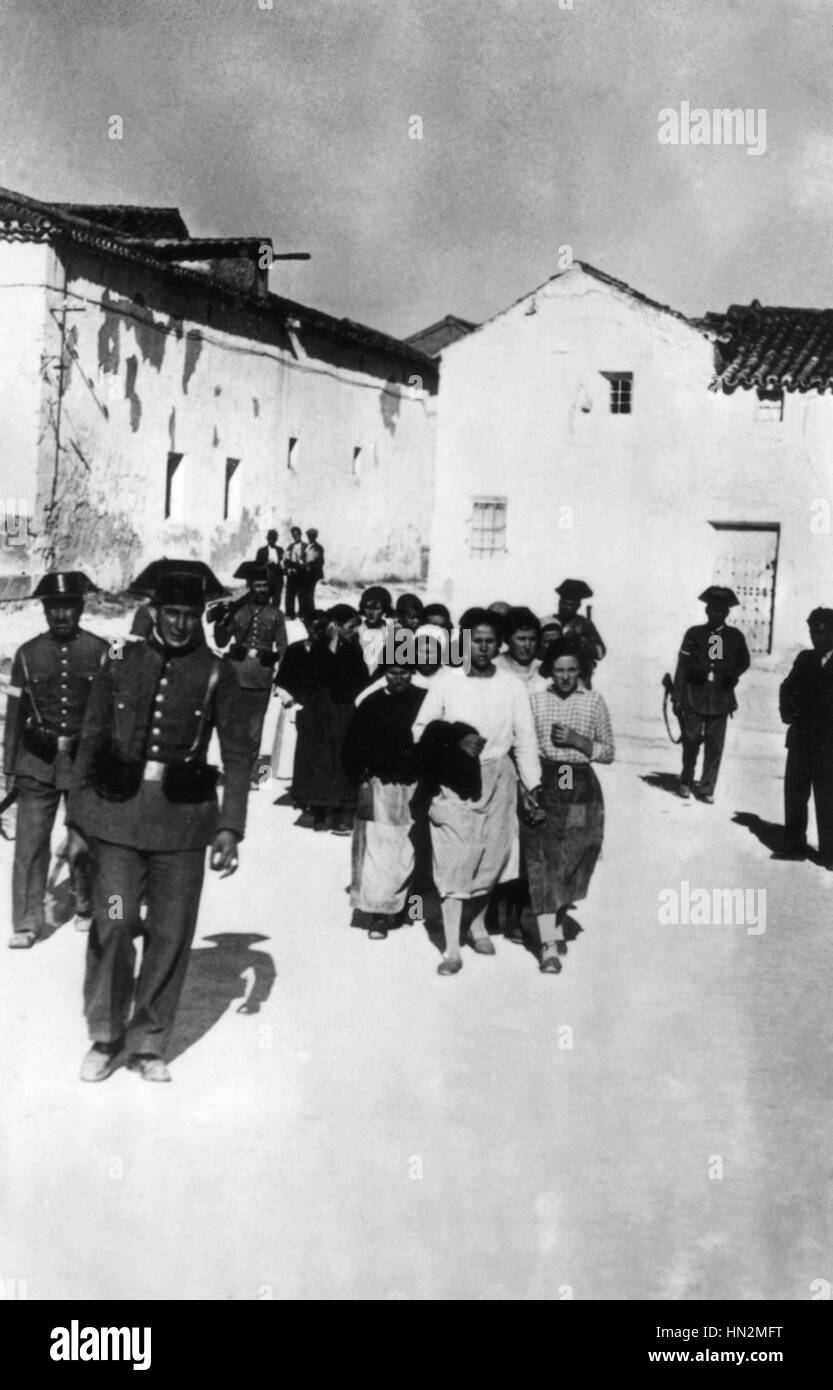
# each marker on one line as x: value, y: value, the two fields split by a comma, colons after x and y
x: 488, y: 525
x: 621, y: 392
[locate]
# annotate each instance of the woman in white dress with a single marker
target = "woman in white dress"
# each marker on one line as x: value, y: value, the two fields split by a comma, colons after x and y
x: 474, y: 838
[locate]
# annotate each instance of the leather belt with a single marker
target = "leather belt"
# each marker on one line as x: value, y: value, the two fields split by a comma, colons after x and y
x: 154, y: 772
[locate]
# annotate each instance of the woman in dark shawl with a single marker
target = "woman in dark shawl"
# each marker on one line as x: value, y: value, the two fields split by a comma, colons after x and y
x: 324, y: 674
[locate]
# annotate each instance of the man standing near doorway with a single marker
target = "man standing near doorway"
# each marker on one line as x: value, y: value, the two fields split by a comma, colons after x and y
x: 270, y: 556
x: 712, y: 659
x: 806, y: 703
x: 255, y: 634
x: 143, y: 801
x: 313, y: 574
x: 295, y: 571
x: 50, y: 684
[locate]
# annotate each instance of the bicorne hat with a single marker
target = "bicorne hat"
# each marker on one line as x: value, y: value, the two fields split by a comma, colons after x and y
x: 574, y: 588
x: 61, y: 584
x: 188, y: 582
x: 717, y: 593
x: 250, y: 570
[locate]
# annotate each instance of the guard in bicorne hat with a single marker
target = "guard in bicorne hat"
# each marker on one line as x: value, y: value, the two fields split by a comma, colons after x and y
x: 712, y: 659
x: 254, y: 632
x: 50, y: 684
x: 143, y: 799
x: 579, y: 626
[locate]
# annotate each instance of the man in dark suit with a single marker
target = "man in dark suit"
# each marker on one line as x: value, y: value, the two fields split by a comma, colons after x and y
x: 143, y: 801
x: 712, y: 659
x: 270, y: 557
x: 255, y: 634
x: 50, y: 685
x: 806, y: 704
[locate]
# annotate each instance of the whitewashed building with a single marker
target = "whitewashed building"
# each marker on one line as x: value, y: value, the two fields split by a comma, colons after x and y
x: 587, y: 431
x: 155, y: 398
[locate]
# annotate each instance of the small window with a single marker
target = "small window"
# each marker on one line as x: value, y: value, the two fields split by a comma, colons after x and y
x: 357, y: 461
x: 621, y: 392
x: 488, y: 526
x: 174, y: 488
x: 292, y: 454
x: 770, y: 404
x: 231, y: 493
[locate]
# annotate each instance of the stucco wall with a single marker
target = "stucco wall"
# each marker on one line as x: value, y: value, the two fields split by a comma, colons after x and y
x: 24, y: 269
x: 153, y: 368
x: 622, y: 501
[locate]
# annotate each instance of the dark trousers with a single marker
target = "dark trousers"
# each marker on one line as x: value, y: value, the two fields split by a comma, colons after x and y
x: 809, y: 769
x: 253, y: 705
x: 37, y: 807
x: 306, y: 597
x: 276, y: 589
x: 294, y: 593
x: 710, y: 730
x: 123, y: 878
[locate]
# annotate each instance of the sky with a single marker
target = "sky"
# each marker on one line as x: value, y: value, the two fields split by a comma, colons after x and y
x: 539, y: 124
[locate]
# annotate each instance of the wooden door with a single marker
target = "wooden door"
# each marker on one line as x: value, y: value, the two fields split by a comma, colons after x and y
x: 745, y: 559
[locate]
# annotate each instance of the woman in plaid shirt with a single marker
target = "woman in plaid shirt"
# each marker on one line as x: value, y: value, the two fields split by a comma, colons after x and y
x: 562, y: 844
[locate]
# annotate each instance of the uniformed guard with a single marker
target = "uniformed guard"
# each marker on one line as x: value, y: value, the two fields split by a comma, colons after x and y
x: 50, y: 684
x: 580, y: 626
x: 255, y: 633
x: 143, y: 800
x: 712, y: 659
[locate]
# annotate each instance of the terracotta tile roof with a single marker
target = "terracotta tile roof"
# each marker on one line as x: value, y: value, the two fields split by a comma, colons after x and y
x: 28, y: 219
x: 438, y: 335
x: 759, y: 346
x: 129, y: 220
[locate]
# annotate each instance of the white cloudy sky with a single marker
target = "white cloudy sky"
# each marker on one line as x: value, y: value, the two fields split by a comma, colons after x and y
x: 540, y: 129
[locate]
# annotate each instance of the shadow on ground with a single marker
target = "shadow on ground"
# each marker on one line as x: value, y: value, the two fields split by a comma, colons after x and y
x: 770, y: 833
x: 662, y: 781
x: 227, y: 970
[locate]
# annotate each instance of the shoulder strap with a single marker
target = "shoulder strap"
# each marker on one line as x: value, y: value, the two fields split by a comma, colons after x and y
x: 29, y: 691
x: 211, y: 686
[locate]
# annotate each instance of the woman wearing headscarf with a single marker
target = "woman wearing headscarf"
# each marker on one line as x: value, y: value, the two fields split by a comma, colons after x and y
x: 324, y: 674
x: 471, y: 720
x: 561, y: 848
x: 378, y: 756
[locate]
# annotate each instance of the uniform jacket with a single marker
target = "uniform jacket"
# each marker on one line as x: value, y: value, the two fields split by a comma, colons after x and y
x: 151, y: 705
x: 806, y: 701
x: 585, y: 632
x: 705, y: 683
x: 260, y: 630
x: 50, y: 686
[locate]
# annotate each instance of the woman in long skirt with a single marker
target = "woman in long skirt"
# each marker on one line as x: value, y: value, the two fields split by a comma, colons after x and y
x: 324, y: 674
x: 474, y: 838
x: 573, y: 729
x: 378, y: 756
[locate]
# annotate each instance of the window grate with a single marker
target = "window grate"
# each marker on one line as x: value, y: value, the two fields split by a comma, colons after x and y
x: 488, y: 526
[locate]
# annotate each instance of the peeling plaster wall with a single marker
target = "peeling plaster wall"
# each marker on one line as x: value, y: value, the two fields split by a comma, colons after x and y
x: 24, y: 269
x: 622, y: 501
x: 153, y: 369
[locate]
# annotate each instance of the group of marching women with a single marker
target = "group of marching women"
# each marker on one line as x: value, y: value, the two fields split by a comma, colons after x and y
x: 458, y: 776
